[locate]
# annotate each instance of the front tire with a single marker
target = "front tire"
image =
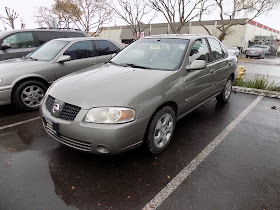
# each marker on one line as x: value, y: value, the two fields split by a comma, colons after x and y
x: 224, y: 96
x: 29, y: 94
x: 160, y: 130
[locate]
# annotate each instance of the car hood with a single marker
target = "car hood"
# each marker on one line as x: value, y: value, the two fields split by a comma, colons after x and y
x: 108, y: 85
x: 16, y: 64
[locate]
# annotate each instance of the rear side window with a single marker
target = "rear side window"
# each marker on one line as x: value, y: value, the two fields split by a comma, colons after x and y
x: 224, y: 51
x: 74, y: 34
x: 104, y: 47
x: 44, y: 36
x: 20, y: 40
x: 80, y: 50
x: 199, y: 51
x: 216, y: 49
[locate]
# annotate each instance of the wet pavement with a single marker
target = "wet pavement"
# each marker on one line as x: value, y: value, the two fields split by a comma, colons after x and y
x: 268, y: 67
x: 241, y: 173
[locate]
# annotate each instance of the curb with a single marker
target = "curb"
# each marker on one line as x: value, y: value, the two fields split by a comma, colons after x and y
x: 272, y: 94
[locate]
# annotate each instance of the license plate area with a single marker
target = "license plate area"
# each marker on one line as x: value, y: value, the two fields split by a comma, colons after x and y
x: 51, y: 126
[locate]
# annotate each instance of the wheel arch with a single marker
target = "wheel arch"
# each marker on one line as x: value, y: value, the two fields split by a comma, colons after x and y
x: 24, y: 79
x: 172, y: 104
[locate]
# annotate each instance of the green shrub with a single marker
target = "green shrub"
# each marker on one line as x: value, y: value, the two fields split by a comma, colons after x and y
x: 258, y: 82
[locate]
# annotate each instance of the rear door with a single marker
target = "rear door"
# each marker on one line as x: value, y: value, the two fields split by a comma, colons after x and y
x: 105, y: 49
x: 21, y: 44
x: 221, y: 64
x: 82, y: 56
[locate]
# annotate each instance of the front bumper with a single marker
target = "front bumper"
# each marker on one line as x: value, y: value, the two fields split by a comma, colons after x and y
x: 5, y: 95
x: 96, y: 138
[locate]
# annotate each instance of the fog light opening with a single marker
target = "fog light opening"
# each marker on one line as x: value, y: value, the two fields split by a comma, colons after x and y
x: 102, y: 149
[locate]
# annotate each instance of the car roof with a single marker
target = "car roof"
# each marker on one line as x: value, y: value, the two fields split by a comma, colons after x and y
x: 177, y: 36
x: 7, y: 32
x: 81, y: 39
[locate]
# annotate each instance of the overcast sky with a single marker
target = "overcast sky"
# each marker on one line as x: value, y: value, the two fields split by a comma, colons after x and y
x: 26, y: 9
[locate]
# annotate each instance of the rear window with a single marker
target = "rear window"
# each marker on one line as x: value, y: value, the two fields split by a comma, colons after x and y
x: 104, y: 47
x: 44, y: 36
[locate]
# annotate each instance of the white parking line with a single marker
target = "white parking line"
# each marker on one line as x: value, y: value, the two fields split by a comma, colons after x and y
x: 176, y: 181
x: 19, y: 123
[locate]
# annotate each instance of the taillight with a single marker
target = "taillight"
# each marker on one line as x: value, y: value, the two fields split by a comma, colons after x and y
x: 258, y: 51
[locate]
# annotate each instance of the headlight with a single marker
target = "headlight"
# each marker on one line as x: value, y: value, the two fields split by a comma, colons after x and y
x: 110, y: 115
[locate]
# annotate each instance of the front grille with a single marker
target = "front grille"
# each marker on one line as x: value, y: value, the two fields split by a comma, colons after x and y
x: 80, y: 145
x: 49, y: 103
x: 68, y: 112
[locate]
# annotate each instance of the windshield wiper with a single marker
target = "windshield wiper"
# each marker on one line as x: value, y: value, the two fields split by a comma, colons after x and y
x: 113, y: 63
x: 34, y: 59
x: 135, y: 66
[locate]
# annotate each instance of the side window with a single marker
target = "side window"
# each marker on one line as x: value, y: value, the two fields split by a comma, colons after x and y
x: 104, y: 47
x: 80, y: 50
x: 216, y: 49
x: 199, y: 51
x: 43, y: 36
x: 56, y: 35
x: 224, y: 51
x: 20, y: 40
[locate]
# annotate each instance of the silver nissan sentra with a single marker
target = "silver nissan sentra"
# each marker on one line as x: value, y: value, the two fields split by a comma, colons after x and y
x: 137, y: 97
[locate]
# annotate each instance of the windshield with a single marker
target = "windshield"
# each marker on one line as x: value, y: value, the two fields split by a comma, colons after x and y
x: 47, y: 51
x: 162, y: 54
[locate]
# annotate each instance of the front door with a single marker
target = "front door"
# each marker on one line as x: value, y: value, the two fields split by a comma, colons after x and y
x: 21, y: 44
x: 197, y: 83
x: 82, y: 56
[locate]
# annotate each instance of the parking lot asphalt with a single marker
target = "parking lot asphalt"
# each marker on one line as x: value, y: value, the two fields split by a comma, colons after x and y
x: 242, y: 172
x: 268, y: 67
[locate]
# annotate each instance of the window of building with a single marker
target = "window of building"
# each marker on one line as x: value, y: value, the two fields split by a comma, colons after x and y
x: 20, y: 40
x: 80, y: 50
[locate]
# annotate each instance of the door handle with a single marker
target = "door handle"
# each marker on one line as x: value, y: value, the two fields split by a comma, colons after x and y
x: 212, y: 71
x: 229, y: 64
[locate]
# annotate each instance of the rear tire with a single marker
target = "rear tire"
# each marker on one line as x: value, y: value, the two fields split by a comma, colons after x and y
x: 247, y: 56
x: 224, y: 96
x: 29, y: 94
x: 160, y: 130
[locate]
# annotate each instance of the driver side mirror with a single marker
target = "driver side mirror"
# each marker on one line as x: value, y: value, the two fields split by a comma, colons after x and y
x: 64, y: 58
x: 196, y: 65
x: 5, y: 46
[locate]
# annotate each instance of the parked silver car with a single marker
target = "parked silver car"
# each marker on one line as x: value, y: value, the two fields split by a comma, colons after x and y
x: 19, y: 42
x: 137, y: 97
x: 24, y: 81
x: 234, y: 51
x: 255, y: 52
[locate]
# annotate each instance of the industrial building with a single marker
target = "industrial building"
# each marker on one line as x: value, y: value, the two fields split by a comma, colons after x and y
x: 241, y: 36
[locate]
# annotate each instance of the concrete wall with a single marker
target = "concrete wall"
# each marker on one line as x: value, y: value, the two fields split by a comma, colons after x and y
x: 113, y: 34
x: 236, y: 38
x: 240, y: 34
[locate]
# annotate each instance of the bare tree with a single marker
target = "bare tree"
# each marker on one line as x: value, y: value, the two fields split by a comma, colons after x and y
x: 10, y: 18
x: 67, y: 12
x: 43, y: 16
x: 177, y: 12
x: 132, y: 12
x: 230, y: 9
x: 93, y: 14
